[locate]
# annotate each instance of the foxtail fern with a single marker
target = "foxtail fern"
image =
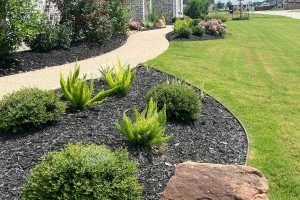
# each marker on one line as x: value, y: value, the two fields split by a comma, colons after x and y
x: 77, y: 91
x: 120, y: 76
x: 148, y: 128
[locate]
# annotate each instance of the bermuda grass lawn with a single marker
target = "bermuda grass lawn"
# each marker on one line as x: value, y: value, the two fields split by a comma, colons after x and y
x: 255, y: 72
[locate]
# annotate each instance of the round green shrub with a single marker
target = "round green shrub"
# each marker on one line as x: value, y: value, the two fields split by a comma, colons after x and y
x: 29, y: 107
x: 182, y: 102
x: 184, y: 31
x: 174, y: 19
x: 83, y: 171
x: 49, y: 37
x: 198, y: 30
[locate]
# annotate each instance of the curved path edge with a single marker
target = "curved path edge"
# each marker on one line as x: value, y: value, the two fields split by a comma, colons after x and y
x: 140, y: 47
x: 237, y: 119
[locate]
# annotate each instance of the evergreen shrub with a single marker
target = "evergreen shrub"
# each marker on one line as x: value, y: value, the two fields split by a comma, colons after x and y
x: 184, y: 32
x: 48, y: 38
x: 198, y: 30
x: 18, y: 19
x: 29, y: 107
x: 83, y: 171
x: 182, y: 102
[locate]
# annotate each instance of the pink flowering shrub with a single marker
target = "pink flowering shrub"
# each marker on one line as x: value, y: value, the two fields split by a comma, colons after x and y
x: 134, y: 24
x: 214, y: 27
x: 92, y: 20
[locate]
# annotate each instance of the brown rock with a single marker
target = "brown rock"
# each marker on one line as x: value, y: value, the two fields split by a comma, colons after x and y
x: 161, y: 23
x: 203, y: 181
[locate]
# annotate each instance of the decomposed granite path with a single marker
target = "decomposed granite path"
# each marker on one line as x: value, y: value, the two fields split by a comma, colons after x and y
x: 140, y: 47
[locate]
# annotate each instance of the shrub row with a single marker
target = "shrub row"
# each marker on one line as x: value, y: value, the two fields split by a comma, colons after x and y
x: 86, y: 21
x: 187, y: 27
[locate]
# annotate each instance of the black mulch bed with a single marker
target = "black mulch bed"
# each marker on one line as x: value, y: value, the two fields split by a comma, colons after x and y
x: 31, y: 60
x: 216, y: 137
x: 173, y: 36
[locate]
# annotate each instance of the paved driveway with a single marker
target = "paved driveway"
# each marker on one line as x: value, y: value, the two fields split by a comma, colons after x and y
x: 287, y: 13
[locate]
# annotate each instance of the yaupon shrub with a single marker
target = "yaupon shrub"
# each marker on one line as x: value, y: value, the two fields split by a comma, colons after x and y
x: 214, y: 27
x: 48, y: 38
x: 148, y: 127
x: 198, y: 30
x: 29, y: 107
x: 197, y: 8
x: 93, y: 20
x: 17, y: 20
x: 83, y: 171
x: 182, y: 102
x: 184, y: 31
x: 134, y: 24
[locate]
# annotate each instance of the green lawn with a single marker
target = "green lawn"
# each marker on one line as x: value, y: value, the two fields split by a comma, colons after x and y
x: 255, y: 72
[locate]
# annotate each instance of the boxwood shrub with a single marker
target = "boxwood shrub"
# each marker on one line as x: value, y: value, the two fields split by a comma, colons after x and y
x: 182, y: 102
x: 29, y: 107
x: 83, y: 171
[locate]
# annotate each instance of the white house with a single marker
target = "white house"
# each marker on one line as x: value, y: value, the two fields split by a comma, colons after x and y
x: 246, y: 5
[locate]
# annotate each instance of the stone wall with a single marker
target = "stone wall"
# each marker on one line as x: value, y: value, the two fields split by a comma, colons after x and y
x: 50, y: 10
x: 141, y: 8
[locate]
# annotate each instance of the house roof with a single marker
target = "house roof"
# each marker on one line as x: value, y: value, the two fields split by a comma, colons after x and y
x: 236, y: 3
x: 211, y: 1
x: 293, y: 1
x: 259, y: 3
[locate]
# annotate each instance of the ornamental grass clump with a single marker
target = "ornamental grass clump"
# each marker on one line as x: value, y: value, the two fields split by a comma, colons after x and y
x: 182, y: 102
x: 83, y: 171
x: 120, y: 76
x: 29, y: 107
x: 148, y: 127
x: 77, y: 91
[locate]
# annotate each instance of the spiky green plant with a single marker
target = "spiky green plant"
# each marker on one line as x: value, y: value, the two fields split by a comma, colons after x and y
x: 120, y: 76
x: 77, y: 91
x: 148, y: 128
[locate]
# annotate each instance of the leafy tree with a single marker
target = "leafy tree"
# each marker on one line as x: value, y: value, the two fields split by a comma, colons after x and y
x: 228, y: 3
x: 220, y: 5
x: 17, y: 20
x: 197, y: 8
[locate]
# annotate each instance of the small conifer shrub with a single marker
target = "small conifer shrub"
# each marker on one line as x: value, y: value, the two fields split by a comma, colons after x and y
x: 29, y: 107
x: 83, y: 171
x: 182, y: 102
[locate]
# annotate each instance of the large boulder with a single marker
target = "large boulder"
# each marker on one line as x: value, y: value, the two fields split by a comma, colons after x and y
x: 161, y: 22
x: 216, y: 182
